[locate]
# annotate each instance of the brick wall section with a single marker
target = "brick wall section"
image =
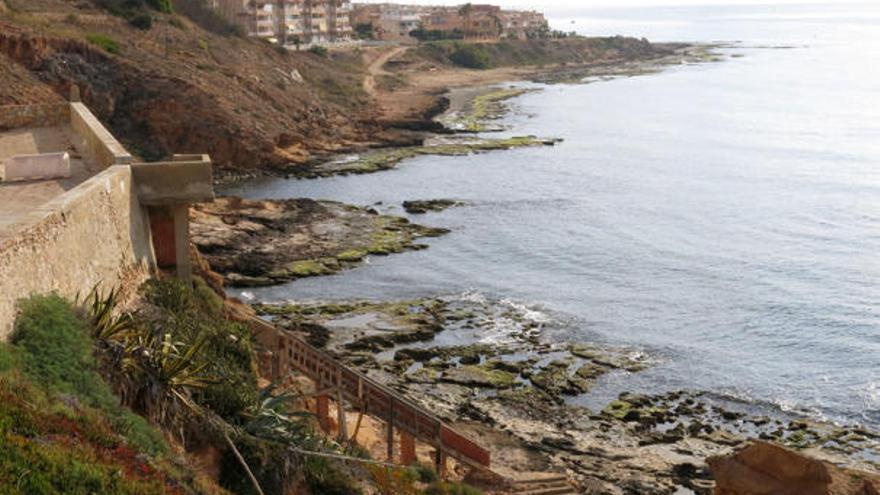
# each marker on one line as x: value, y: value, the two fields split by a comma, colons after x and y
x: 96, y: 232
x: 15, y: 116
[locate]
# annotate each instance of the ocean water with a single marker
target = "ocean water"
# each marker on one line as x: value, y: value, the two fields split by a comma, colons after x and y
x: 724, y: 218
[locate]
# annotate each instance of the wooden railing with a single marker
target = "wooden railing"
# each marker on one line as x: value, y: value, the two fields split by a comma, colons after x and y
x: 369, y: 396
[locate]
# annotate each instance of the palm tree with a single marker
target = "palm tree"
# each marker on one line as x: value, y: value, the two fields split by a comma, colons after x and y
x: 466, y: 11
x: 499, y: 26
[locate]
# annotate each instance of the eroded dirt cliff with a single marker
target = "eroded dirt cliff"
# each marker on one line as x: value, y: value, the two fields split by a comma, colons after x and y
x: 177, y: 88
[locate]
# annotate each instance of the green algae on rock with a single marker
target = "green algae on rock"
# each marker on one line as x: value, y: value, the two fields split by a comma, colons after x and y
x: 257, y: 243
x: 474, y: 375
x: 486, y: 106
x: 359, y: 326
x: 388, y: 158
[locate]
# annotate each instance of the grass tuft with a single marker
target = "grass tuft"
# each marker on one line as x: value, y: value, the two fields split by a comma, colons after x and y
x: 107, y: 43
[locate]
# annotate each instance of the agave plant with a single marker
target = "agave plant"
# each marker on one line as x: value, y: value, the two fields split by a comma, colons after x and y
x: 162, y: 373
x: 271, y: 419
x: 107, y: 323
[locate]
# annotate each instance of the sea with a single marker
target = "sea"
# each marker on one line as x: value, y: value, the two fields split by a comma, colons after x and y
x: 722, y: 218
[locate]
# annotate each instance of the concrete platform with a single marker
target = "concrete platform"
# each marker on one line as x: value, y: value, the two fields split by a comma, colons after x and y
x: 19, y: 198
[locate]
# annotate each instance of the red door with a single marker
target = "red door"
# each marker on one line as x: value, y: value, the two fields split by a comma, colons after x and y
x: 162, y: 228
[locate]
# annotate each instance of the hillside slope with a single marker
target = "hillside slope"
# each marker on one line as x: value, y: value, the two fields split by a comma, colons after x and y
x: 177, y: 88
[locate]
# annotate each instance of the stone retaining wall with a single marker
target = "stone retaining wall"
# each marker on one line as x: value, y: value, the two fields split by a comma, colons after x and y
x: 15, y: 116
x: 96, y: 232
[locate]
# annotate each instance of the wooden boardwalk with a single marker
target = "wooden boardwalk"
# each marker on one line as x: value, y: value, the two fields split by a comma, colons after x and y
x: 339, y: 382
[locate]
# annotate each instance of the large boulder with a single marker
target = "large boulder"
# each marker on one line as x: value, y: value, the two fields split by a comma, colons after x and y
x: 763, y: 468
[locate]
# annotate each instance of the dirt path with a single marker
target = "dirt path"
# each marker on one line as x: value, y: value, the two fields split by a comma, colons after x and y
x: 376, y: 69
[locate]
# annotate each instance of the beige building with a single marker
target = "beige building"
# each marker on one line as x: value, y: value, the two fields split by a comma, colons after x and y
x: 290, y: 22
x: 389, y: 21
x: 469, y: 21
x: 523, y: 24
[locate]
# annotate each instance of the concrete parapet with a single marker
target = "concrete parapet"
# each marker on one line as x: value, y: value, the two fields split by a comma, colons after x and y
x: 185, y: 179
x: 32, y: 167
x: 96, y: 140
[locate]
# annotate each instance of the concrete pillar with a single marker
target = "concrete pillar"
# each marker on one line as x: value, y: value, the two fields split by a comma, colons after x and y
x: 181, y: 241
x: 407, y: 449
x: 340, y: 415
x: 390, y: 441
x: 440, y: 463
x: 323, y: 412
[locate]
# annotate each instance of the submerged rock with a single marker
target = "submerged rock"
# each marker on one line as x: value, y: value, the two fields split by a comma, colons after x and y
x: 417, y: 207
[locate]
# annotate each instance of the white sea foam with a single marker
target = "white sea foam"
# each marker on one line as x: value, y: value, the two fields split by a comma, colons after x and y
x: 527, y: 312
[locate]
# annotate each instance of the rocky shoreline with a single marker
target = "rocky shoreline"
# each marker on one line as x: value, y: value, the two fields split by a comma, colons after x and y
x: 387, y: 158
x: 484, y: 367
x: 259, y: 243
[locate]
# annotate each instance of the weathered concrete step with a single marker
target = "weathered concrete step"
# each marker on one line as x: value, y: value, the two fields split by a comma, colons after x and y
x: 560, y: 490
x: 547, y: 479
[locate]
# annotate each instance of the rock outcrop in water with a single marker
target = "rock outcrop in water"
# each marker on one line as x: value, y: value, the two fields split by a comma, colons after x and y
x: 256, y: 243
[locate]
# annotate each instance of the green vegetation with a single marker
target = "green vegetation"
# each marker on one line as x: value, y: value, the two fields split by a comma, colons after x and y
x: 471, y: 56
x: 308, y: 268
x: 69, y: 375
x: 535, y: 52
x: 52, y: 347
x: 51, y: 391
x: 319, y: 51
x: 225, y: 379
x: 424, y: 35
x: 136, y: 12
x: 201, y: 13
x: 364, y: 31
x: 180, y: 364
x: 107, y: 43
x: 139, y: 13
x: 142, y: 21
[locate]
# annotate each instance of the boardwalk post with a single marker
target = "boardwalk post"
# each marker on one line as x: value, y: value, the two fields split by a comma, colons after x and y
x: 390, y: 438
x: 407, y: 449
x: 440, y: 462
x: 323, y: 412
x: 340, y: 408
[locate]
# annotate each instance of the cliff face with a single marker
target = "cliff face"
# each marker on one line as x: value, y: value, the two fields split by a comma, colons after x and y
x: 177, y: 88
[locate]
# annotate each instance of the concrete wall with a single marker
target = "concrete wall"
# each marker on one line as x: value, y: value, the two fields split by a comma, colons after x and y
x: 15, y: 116
x: 186, y: 179
x: 96, y: 232
x: 96, y: 140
